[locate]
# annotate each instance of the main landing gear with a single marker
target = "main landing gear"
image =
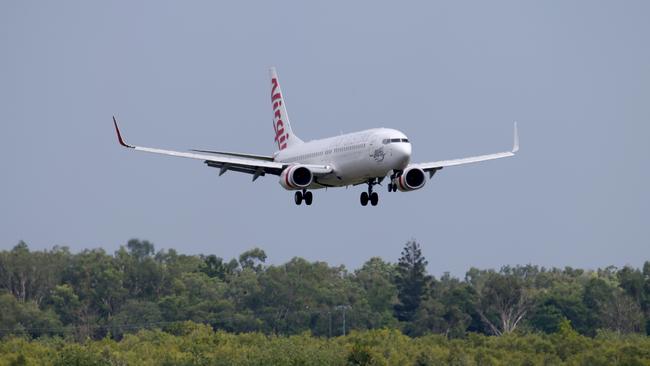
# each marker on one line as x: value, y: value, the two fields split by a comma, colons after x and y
x: 305, y: 195
x: 371, y: 196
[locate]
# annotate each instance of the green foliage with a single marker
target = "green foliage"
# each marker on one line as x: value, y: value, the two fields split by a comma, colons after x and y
x: 215, y: 267
x: 252, y: 259
x: 360, y: 355
x: 135, y: 312
x: 411, y: 280
x: 79, y: 355
x: 109, y: 302
x: 504, y: 298
x: 26, y: 318
x: 197, y: 344
x: 19, y: 361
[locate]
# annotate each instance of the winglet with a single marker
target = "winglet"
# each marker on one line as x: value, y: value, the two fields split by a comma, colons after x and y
x: 515, y: 145
x: 119, y: 135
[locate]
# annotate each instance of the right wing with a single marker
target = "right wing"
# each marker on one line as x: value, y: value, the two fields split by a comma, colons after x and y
x: 432, y: 167
x: 228, y: 161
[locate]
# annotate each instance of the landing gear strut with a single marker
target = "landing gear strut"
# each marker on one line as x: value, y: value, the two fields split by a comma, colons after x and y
x: 392, y: 187
x: 305, y: 195
x: 371, y: 196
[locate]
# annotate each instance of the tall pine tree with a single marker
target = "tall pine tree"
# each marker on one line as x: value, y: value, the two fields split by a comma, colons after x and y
x: 411, y: 281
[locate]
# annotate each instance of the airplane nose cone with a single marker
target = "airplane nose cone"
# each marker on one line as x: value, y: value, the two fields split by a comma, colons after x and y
x: 402, y: 155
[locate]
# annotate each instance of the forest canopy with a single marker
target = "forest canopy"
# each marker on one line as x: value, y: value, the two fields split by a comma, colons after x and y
x: 96, y: 299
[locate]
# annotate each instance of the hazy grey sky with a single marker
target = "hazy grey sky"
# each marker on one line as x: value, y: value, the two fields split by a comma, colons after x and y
x: 451, y: 75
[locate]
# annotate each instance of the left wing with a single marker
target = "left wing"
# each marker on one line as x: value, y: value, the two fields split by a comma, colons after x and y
x: 228, y: 161
x: 432, y: 167
x: 241, y: 155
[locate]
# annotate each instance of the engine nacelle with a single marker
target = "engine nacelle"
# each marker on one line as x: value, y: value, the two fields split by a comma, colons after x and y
x: 410, y: 180
x: 296, y: 177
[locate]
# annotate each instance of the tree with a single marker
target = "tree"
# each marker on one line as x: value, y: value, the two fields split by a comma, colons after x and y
x: 298, y: 296
x: 632, y: 281
x: 92, y: 294
x: 142, y: 274
x: 252, y: 259
x: 135, y: 315
x: 140, y: 250
x: 560, y: 296
x: 214, y: 266
x: 621, y: 313
x: 458, y: 301
x: 547, y: 318
x: 19, y: 271
x: 411, y: 281
x: 66, y: 304
x: 597, y: 292
x: 375, y: 278
x: 504, y: 300
x: 17, y: 317
x: 30, y: 276
x: 49, y: 269
x: 98, y: 282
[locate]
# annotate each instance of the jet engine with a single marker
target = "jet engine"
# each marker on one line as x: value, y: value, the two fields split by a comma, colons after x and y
x: 410, y: 180
x: 296, y: 177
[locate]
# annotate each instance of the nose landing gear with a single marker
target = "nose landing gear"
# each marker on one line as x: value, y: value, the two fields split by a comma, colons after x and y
x: 392, y: 186
x: 370, y: 196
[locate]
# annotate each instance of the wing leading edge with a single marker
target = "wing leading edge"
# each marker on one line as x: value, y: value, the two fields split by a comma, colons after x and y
x: 249, y: 164
x: 434, y: 166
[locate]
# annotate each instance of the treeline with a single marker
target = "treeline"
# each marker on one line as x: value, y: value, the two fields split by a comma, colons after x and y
x: 96, y: 295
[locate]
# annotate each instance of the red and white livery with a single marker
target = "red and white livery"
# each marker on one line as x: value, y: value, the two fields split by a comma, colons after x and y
x: 365, y: 157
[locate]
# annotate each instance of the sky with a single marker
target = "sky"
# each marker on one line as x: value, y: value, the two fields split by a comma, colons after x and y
x: 452, y: 75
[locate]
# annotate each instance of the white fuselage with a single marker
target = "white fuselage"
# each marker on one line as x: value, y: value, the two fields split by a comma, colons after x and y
x: 355, y: 157
x: 365, y: 157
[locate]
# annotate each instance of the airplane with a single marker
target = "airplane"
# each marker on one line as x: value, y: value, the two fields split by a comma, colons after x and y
x: 365, y: 157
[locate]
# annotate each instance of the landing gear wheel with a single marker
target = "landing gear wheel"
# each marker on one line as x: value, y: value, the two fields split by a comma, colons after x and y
x: 298, y: 198
x: 308, y: 196
x: 392, y: 186
x: 374, y: 198
x: 364, y: 198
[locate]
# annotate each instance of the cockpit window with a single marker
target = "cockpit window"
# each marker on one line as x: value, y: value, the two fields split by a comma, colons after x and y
x: 392, y: 141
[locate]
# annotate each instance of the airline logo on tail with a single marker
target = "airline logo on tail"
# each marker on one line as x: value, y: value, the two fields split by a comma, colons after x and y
x: 281, y: 133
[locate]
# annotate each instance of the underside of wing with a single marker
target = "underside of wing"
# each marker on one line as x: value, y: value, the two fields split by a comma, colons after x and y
x: 239, y: 155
